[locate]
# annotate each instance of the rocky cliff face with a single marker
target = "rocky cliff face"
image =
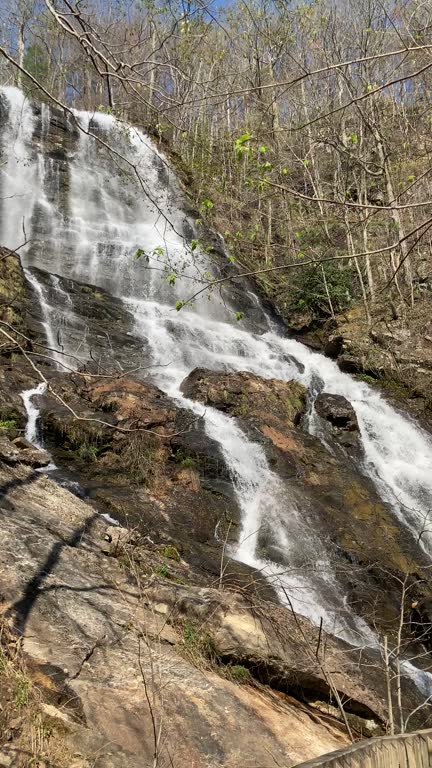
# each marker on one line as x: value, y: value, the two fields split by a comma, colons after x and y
x: 153, y: 631
x: 110, y: 649
x: 150, y: 619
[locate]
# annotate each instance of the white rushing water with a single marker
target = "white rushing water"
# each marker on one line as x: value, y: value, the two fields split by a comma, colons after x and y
x: 91, y: 232
x: 32, y: 413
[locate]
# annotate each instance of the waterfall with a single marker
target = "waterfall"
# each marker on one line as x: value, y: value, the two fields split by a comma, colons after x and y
x: 32, y: 413
x: 93, y: 234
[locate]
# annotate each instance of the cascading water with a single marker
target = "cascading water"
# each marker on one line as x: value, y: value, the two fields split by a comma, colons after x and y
x: 92, y: 233
x: 32, y: 413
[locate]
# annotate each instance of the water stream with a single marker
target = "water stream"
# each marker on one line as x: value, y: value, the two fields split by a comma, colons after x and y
x: 31, y: 433
x: 90, y: 229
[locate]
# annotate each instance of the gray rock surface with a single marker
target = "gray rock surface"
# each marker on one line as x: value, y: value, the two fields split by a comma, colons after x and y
x: 96, y: 638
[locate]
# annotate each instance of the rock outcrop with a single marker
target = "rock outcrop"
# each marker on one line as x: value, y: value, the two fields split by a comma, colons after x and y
x: 336, y: 500
x: 142, y: 461
x: 101, y: 647
x: 229, y: 680
x: 394, y: 352
x: 337, y: 410
x: 246, y: 395
x: 20, y: 451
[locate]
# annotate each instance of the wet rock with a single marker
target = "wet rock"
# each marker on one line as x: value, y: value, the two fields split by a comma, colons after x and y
x: 334, y: 346
x: 92, y: 325
x: 22, y: 443
x: 144, y: 462
x: 337, y: 410
x: 246, y: 395
x: 339, y: 504
x: 349, y: 364
x: 29, y: 454
x: 13, y: 299
x: 421, y: 620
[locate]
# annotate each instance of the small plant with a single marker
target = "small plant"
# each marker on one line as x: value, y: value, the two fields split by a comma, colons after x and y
x: 206, y: 207
x: 140, y: 459
x: 190, y: 634
x: 22, y: 692
x: 366, y: 378
x: 8, y: 424
x: 196, y: 641
x: 162, y: 570
x: 88, y: 452
x: 183, y: 459
x: 170, y: 552
x: 188, y: 462
x: 239, y: 673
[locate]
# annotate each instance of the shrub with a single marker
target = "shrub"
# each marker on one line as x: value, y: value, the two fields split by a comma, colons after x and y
x: 140, y: 459
x: 196, y: 641
x: 188, y: 462
x: 8, y: 424
x: 162, y: 570
x: 170, y: 552
x: 308, y: 291
x: 239, y: 673
x: 22, y: 691
x: 184, y: 460
x: 88, y: 452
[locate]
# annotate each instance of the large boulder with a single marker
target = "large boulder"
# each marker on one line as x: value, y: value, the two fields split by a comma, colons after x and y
x: 277, y: 646
x: 245, y: 395
x: 337, y: 410
x: 20, y: 451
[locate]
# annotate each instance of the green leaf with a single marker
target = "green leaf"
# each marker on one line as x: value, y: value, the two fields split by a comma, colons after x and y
x: 206, y: 205
x: 172, y: 278
x: 159, y: 251
x: 179, y: 305
x: 285, y: 171
x: 138, y: 253
x: 243, y: 139
x: 262, y: 149
x: 240, y: 147
x: 239, y: 316
x: 354, y: 138
x: 194, y: 245
x: 232, y: 259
